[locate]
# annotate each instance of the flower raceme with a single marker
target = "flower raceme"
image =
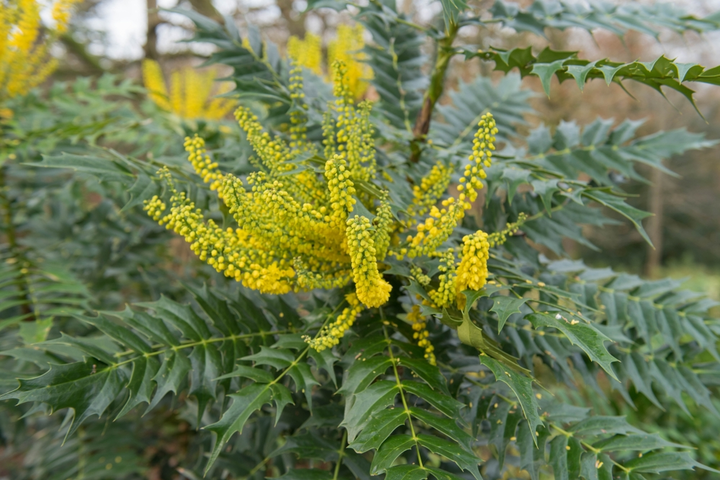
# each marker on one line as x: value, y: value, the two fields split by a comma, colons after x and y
x: 190, y: 92
x: 302, y: 219
x: 25, y: 59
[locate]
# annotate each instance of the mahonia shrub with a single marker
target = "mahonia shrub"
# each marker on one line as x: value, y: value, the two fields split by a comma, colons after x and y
x: 368, y: 294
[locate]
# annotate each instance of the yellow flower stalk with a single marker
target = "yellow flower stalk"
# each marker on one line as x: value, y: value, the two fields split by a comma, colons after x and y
x: 331, y: 334
x: 432, y: 187
x: 25, y: 59
x: 445, y: 294
x: 190, y: 92
x: 347, y: 49
x: 420, y: 333
x: 307, y: 52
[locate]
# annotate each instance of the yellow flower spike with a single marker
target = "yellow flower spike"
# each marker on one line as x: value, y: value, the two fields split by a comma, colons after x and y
x: 498, y: 238
x: 341, y: 189
x: 298, y: 118
x: 331, y: 334
x: 372, y: 289
x: 61, y: 14
x: 204, y: 167
x: 419, y: 276
x: 383, y: 227
x: 24, y: 52
x: 155, y: 84
x: 347, y: 49
x: 472, y: 272
x: 428, y: 193
x: 420, y: 333
x: 273, y: 153
x: 190, y: 92
x: 445, y: 293
x: 307, y: 52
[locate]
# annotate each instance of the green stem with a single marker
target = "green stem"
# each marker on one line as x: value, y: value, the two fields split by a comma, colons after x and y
x: 402, y: 395
x: 341, y: 454
x: 445, y: 52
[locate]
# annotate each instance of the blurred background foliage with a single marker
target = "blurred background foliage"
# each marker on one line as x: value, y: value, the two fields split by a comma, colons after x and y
x: 74, y: 235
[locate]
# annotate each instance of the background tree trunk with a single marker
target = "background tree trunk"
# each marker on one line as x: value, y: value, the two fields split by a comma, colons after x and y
x: 153, y: 20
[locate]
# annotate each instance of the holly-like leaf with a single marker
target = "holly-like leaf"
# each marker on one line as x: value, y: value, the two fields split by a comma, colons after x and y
x: 245, y: 403
x: 506, y: 306
x: 521, y: 387
x: 591, y: 340
x: 665, y: 462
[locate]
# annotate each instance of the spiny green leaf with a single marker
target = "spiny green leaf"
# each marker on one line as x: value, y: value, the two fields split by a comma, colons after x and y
x: 366, y: 403
x: 141, y: 385
x: 363, y: 372
x: 406, y: 472
x: 664, y: 462
x: 635, y: 442
x: 602, y: 425
x: 80, y: 386
x: 444, y: 403
x: 255, y: 374
x: 447, y: 426
x: 390, y: 450
x: 663, y: 72
x: 450, y: 450
x: 506, y: 306
x: 272, y: 356
x: 378, y: 429
x: 245, y: 403
x: 172, y: 373
x: 430, y: 373
x: 581, y: 334
x: 521, y: 387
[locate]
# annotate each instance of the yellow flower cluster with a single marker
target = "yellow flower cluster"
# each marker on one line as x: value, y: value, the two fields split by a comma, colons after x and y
x: 421, y: 334
x: 372, y: 290
x: 346, y: 48
x: 190, y: 92
x: 307, y: 52
x: 295, y: 230
x: 330, y: 335
x: 434, y: 231
x: 472, y: 272
x: 304, y: 224
x: 25, y: 59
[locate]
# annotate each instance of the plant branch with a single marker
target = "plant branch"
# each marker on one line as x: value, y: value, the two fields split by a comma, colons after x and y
x: 445, y: 52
